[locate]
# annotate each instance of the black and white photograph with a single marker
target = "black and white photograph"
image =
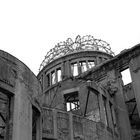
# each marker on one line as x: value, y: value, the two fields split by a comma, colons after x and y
x: 69, y: 70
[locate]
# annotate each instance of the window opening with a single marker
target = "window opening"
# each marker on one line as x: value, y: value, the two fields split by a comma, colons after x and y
x: 132, y: 109
x: 83, y: 66
x: 91, y: 64
x: 48, y: 80
x: 74, y: 69
x: 4, y: 116
x: 126, y: 77
x: 53, y: 78
x: 105, y: 110
x: 72, y: 101
x: 59, y: 73
x: 133, y: 117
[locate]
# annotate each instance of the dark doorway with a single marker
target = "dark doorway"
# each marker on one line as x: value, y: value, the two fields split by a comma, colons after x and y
x: 35, y: 121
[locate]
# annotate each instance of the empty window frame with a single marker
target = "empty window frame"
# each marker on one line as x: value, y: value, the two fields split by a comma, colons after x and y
x: 59, y: 75
x: 83, y: 66
x: 72, y: 101
x: 53, y: 77
x: 74, y: 69
x: 91, y: 63
x: 126, y: 77
x: 133, y: 115
x: 4, y: 116
x: 48, y: 80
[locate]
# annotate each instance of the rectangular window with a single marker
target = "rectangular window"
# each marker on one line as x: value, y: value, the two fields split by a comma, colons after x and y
x: 105, y: 110
x: 83, y: 66
x: 48, y: 80
x: 53, y: 78
x: 72, y: 101
x: 91, y: 64
x: 126, y: 77
x: 59, y: 73
x: 133, y: 115
x: 74, y: 69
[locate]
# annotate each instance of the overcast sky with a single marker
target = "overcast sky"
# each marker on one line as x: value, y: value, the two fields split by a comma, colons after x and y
x: 28, y: 29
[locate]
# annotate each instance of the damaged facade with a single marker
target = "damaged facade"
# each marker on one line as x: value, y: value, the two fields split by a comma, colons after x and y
x: 79, y: 94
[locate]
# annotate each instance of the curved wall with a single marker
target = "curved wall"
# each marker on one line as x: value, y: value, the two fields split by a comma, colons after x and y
x: 65, y: 65
x: 57, y: 78
x: 19, y: 89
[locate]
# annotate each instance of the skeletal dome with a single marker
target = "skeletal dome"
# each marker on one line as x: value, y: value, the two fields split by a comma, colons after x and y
x: 85, y: 43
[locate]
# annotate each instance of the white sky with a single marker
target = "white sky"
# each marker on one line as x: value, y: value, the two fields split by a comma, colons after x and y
x: 28, y: 29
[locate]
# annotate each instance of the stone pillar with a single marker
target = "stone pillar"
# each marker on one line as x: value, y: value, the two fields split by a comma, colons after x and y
x: 87, y: 64
x: 135, y: 74
x: 122, y: 114
x: 71, y: 126
x: 102, y: 113
x: 67, y: 69
x: 79, y: 67
x: 22, y: 116
x: 56, y: 76
x: 55, y: 123
x: 103, y: 135
x: 98, y: 61
x: 63, y: 70
x: 109, y: 114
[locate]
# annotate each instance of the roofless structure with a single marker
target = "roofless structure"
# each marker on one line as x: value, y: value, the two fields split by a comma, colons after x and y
x: 79, y: 94
x: 85, y: 43
x: 81, y: 81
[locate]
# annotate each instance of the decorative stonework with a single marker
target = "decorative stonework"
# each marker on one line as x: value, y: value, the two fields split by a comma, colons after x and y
x: 85, y: 43
x: 110, y: 84
x: 111, y: 87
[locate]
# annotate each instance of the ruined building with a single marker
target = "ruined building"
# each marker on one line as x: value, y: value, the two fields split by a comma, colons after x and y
x: 79, y: 94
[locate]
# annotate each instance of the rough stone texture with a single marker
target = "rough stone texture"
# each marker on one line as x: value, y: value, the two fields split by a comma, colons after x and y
x: 103, y: 80
x: 36, y: 111
x: 23, y: 88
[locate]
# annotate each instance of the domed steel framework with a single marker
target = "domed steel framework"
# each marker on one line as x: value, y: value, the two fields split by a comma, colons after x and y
x: 85, y: 43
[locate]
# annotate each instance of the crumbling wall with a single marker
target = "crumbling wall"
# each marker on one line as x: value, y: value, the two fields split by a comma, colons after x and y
x: 23, y: 89
x: 61, y: 125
